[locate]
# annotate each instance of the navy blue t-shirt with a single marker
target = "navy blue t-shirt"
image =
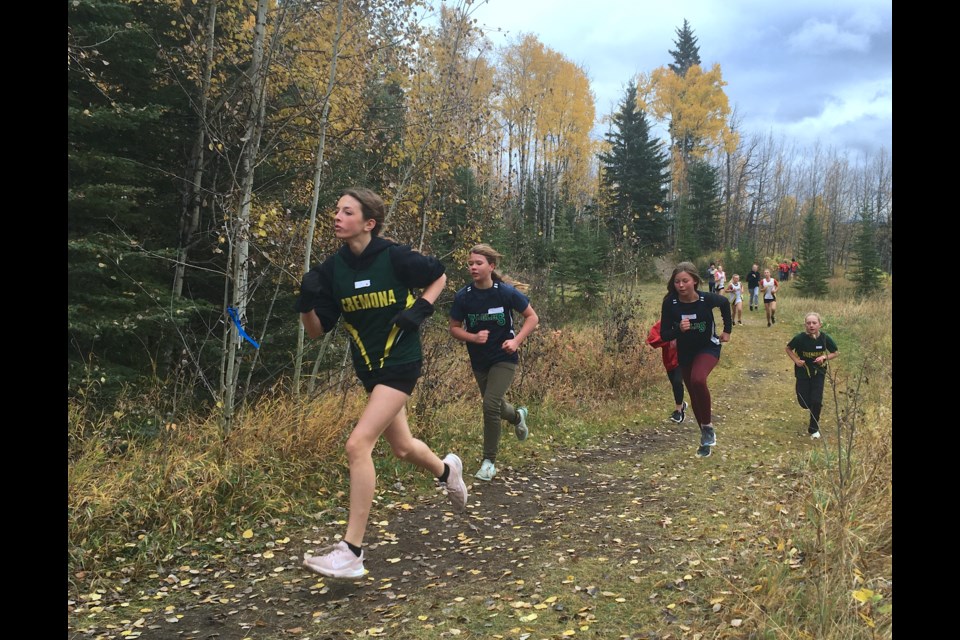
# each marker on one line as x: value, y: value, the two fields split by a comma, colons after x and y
x: 489, y: 309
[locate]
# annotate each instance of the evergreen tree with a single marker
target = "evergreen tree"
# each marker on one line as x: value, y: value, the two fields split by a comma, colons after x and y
x: 697, y: 233
x: 813, y: 273
x: 685, y: 56
x: 746, y: 256
x: 579, y: 257
x: 636, y: 175
x: 867, y: 272
x: 687, y: 53
x: 122, y: 138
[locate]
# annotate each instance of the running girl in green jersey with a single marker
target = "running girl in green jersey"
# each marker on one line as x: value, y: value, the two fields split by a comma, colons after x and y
x: 370, y: 283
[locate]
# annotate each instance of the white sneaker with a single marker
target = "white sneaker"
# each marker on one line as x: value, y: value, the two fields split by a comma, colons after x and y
x: 487, y: 471
x: 521, y: 427
x: 336, y: 561
x: 456, y: 489
x: 815, y: 435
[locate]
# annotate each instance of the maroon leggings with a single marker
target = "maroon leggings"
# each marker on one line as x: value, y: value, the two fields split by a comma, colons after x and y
x: 695, y: 377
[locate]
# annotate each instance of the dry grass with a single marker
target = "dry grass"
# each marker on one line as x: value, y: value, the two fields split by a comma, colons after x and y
x: 844, y: 499
x: 821, y: 540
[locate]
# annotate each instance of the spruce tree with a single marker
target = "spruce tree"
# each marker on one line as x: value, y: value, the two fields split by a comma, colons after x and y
x: 687, y: 53
x: 636, y: 175
x: 866, y: 272
x: 685, y: 56
x: 813, y: 273
x: 121, y: 235
x: 700, y: 210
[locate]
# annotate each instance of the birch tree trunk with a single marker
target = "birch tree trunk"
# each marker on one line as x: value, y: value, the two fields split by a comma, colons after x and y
x: 317, y: 174
x: 239, y: 291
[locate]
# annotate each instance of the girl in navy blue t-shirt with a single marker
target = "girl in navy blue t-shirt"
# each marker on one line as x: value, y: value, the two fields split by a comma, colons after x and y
x: 482, y: 316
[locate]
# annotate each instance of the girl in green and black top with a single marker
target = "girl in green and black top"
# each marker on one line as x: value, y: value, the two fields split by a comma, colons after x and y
x: 370, y: 283
x: 810, y: 351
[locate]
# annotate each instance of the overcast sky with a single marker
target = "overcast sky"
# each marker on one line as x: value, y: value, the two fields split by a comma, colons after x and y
x: 804, y: 71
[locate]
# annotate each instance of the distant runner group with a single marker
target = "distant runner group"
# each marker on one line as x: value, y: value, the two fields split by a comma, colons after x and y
x: 370, y: 284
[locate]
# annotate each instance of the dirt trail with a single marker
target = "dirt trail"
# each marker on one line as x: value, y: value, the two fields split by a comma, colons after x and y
x: 611, y: 495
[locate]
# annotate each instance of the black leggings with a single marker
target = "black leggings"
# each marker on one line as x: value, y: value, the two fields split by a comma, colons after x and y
x: 810, y: 397
x: 676, y: 380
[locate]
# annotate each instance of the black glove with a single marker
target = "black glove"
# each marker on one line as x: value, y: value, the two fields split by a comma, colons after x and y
x: 411, y: 319
x: 311, y: 291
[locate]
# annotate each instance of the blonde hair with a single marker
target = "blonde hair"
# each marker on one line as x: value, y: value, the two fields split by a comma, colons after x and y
x: 813, y: 313
x: 493, y: 257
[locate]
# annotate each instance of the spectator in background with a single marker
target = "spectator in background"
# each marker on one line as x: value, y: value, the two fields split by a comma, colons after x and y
x: 753, y: 285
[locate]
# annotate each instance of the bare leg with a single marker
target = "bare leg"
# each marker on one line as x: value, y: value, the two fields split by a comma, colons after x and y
x: 384, y: 410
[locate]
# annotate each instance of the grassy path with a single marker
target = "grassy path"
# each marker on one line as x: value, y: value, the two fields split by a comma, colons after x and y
x: 624, y: 534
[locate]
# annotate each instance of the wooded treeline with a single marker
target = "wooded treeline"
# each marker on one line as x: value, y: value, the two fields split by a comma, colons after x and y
x: 208, y: 140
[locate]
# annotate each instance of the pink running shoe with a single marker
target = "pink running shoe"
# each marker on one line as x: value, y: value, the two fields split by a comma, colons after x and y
x: 336, y: 561
x: 456, y: 489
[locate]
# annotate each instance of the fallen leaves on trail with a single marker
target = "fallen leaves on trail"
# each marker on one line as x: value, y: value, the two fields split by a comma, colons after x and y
x: 463, y: 568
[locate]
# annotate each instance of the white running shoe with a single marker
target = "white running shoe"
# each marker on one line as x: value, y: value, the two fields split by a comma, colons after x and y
x: 456, y: 489
x: 521, y: 427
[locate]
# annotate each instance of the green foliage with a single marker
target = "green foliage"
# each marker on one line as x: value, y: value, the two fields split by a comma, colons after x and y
x: 813, y: 273
x: 121, y: 143
x: 687, y: 53
x: 746, y: 256
x: 866, y: 272
x: 699, y: 211
x: 464, y: 210
x: 636, y: 175
x: 580, y: 259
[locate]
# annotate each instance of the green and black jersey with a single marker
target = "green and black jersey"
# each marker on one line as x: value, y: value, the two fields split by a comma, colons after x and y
x: 809, y: 349
x: 368, y: 291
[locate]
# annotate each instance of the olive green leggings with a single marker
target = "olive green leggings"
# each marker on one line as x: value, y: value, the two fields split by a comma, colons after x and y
x: 493, y: 384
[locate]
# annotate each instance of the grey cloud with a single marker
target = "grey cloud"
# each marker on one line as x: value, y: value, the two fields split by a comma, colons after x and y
x: 822, y: 38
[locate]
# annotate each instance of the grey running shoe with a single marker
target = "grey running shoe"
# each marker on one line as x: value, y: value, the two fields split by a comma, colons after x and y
x: 708, y: 437
x: 521, y: 427
x: 678, y: 416
x: 456, y: 489
x: 703, y: 451
x: 487, y: 471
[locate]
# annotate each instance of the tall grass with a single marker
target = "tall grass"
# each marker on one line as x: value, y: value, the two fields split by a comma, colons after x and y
x: 848, y: 486
x: 133, y: 500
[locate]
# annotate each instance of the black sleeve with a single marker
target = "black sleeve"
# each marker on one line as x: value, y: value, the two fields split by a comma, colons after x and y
x: 414, y: 269
x: 669, y: 330
x: 724, y: 304
x: 322, y: 301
